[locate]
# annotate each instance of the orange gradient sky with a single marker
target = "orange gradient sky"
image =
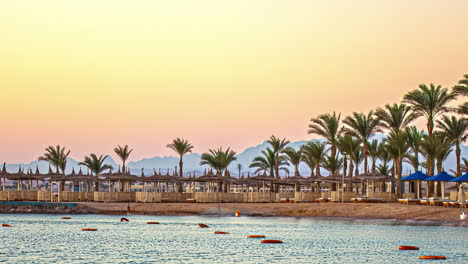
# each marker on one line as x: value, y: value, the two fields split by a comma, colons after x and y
x: 93, y: 74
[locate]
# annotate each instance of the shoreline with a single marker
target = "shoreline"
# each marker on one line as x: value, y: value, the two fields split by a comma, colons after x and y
x: 386, y: 213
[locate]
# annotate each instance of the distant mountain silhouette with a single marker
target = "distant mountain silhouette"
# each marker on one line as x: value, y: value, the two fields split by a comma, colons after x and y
x: 192, y: 162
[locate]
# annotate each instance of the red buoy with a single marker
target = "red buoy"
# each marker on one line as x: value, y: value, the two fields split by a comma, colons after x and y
x: 66, y: 218
x: 203, y: 226
x: 123, y: 219
x: 271, y: 241
x: 255, y: 236
x: 432, y: 257
x: 221, y: 232
x: 6, y: 225
x: 408, y: 248
x: 152, y: 223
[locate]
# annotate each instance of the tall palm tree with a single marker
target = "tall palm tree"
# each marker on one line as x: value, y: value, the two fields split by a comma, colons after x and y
x: 57, y: 157
x: 277, y: 145
x: 294, y: 157
x: 362, y: 127
x: 456, y: 130
x: 414, y: 138
x: 123, y: 153
x: 399, y: 143
x: 327, y: 126
x: 333, y: 164
x: 266, y: 163
x: 430, y: 102
x: 316, y: 151
x: 96, y: 165
x: 181, y: 147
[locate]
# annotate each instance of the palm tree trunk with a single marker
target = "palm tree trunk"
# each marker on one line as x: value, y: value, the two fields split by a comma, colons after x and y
x: 430, y: 127
x: 351, y: 168
x: 365, y: 156
x: 317, y: 170
x: 296, y: 170
x: 181, y: 171
x: 398, y: 171
x: 276, y: 166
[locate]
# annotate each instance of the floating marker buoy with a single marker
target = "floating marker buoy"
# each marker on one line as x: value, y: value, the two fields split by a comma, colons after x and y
x: 6, y: 225
x: 408, y: 248
x: 221, y: 232
x: 152, y: 223
x: 432, y: 257
x: 271, y: 241
x: 65, y: 218
x: 123, y: 219
x: 89, y: 229
x: 255, y: 236
x: 237, y: 213
x: 203, y: 226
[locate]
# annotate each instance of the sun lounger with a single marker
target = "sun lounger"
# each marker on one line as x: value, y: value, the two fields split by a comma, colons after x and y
x: 464, y: 205
x: 424, y: 201
x: 408, y: 201
x: 435, y: 202
x: 283, y: 200
x: 454, y: 204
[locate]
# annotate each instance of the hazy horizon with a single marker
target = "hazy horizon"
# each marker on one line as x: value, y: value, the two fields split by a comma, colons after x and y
x: 91, y: 75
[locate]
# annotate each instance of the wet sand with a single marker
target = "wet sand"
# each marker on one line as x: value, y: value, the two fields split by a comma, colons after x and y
x: 389, y: 211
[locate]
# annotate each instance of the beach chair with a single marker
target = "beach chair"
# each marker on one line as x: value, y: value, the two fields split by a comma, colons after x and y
x: 424, y: 201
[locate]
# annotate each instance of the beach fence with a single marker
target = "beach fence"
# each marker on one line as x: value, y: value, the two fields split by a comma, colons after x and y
x: 109, y: 197
x: 384, y: 196
x: 18, y: 196
x: 212, y: 197
x: 259, y: 197
x: 159, y: 197
x: 284, y: 196
x: 336, y: 196
x: 307, y: 197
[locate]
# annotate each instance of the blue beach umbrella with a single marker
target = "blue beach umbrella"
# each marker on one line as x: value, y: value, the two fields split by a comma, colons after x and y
x: 463, y: 178
x: 441, y: 177
x: 417, y: 176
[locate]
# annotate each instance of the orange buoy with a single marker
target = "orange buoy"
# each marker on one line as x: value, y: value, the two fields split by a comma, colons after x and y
x: 65, y: 218
x: 271, y: 241
x: 221, y: 232
x: 152, y: 223
x: 408, y: 248
x: 123, y: 219
x: 6, y: 225
x: 89, y: 229
x: 432, y: 257
x: 203, y: 226
x: 255, y: 236
x: 237, y: 213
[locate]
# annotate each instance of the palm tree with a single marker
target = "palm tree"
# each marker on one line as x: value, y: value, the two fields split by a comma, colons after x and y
x: 57, y: 157
x: 181, y: 147
x: 384, y: 157
x: 96, y: 165
x: 399, y: 143
x: 327, y: 126
x: 266, y: 163
x: 277, y: 145
x: 308, y: 160
x: 218, y: 159
x: 294, y: 157
x: 414, y: 138
x: 315, y: 151
x: 362, y: 127
x: 123, y: 154
x: 444, y: 149
x: 348, y: 145
x: 333, y: 164
x: 430, y: 102
x: 456, y: 131
x: 396, y: 117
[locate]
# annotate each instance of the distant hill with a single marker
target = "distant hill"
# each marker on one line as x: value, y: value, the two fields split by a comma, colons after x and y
x: 192, y: 162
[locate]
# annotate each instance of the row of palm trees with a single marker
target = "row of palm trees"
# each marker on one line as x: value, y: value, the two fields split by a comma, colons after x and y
x: 404, y: 143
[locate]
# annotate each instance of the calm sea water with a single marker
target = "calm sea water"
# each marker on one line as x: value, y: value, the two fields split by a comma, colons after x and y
x: 178, y: 239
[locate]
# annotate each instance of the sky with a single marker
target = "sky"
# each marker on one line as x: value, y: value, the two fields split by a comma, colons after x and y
x: 90, y: 75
